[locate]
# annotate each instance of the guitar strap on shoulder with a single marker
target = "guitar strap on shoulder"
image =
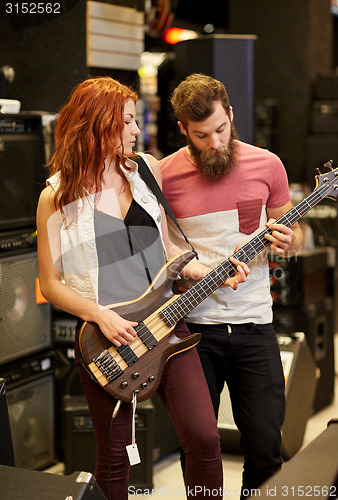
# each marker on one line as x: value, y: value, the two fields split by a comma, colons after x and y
x: 148, y: 177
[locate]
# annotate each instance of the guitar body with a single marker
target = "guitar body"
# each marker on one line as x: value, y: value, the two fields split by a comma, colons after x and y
x: 144, y: 375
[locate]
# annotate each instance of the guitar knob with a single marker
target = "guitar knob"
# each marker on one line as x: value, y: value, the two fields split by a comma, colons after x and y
x: 124, y: 384
x: 144, y: 385
x: 136, y: 374
x: 151, y: 378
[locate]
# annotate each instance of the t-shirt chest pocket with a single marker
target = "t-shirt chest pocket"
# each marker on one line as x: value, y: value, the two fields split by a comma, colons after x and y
x: 249, y: 215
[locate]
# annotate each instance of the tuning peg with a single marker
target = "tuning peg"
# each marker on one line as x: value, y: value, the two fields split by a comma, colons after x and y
x: 318, y: 171
x: 328, y: 164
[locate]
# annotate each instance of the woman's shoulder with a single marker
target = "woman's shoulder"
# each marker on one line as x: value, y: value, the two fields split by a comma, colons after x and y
x: 54, y: 180
x: 153, y: 163
x: 47, y: 196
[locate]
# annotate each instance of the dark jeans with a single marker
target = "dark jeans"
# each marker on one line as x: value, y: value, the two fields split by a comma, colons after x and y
x: 185, y: 394
x: 248, y: 360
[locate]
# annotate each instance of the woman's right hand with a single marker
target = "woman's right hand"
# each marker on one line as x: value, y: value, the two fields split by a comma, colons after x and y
x: 117, y: 329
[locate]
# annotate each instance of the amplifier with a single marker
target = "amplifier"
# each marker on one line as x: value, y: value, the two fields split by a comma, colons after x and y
x: 266, y: 112
x: 25, y: 319
x: 324, y: 118
x: 30, y: 485
x: 80, y: 444
x: 301, y: 279
x: 6, y: 443
x: 30, y: 399
x: 300, y: 378
x: 300, y: 386
x: 319, y: 149
x: 267, y: 138
x: 316, y: 320
x: 18, y: 241
x: 22, y: 156
x: 64, y: 328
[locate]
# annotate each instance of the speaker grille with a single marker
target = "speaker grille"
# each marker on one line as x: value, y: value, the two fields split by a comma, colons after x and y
x: 25, y: 326
x: 31, y: 416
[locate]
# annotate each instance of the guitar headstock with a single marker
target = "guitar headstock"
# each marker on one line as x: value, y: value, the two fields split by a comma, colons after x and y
x: 329, y: 180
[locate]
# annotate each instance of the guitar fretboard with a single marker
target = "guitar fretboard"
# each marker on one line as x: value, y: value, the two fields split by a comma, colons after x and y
x: 206, y: 286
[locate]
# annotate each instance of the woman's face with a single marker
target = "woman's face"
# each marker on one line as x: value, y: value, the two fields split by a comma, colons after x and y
x: 130, y: 131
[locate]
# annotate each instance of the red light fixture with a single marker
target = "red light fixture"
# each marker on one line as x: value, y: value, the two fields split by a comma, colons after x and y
x: 175, y: 35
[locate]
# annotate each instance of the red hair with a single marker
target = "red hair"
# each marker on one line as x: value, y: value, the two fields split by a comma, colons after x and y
x: 89, y: 127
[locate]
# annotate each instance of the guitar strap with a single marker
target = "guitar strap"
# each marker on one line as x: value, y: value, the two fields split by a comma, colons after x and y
x: 148, y: 177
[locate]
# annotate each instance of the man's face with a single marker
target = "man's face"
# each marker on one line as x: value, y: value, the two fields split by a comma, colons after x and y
x: 211, y: 143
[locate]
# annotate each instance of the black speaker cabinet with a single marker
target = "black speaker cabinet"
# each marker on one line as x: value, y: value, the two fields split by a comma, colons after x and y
x: 316, y: 320
x: 25, y: 323
x: 300, y: 378
x: 319, y: 149
x: 214, y: 55
x: 80, y: 444
x: 30, y: 399
x: 22, y: 157
x: 29, y: 485
x: 6, y: 443
x: 300, y: 279
x: 324, y: 117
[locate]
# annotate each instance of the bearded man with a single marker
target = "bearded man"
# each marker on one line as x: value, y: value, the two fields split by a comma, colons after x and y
x: 224, y: 192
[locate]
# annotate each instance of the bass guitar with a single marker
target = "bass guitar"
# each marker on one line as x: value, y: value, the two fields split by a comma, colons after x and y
x: 137, y: 368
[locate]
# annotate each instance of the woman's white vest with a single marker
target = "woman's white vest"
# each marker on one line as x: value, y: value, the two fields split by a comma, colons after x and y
x: 78, y: 250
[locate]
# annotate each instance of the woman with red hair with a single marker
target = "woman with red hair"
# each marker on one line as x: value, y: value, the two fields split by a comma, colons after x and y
x: 102, y: 238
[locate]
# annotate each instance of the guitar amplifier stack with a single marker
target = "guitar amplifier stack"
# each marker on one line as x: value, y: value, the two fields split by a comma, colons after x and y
x: 303, y: 300
x: 322, y: 141
x: 26, y: 356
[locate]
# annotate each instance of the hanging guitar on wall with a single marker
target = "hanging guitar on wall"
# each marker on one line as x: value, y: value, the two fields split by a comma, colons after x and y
x: 159, y: 15
x: 137, y: 368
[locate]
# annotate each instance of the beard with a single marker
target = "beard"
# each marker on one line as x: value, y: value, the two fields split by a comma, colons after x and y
x: 213, y: 165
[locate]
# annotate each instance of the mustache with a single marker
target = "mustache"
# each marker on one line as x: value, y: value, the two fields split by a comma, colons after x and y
x: 211, y: 166
x: 209, y: 154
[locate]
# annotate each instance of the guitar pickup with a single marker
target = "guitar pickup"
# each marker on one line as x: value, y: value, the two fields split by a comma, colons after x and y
x: 146, y: 336
x: 108, y: 366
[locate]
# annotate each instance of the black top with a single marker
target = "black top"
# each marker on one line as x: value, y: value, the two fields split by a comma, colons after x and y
x: 130, y: 253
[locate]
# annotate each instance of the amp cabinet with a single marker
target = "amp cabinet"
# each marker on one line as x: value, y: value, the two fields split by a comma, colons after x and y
x: 25, y: 320
x: 30, y: 401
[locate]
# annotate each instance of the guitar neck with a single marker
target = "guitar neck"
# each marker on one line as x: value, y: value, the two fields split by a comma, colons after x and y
x: 178, y: 309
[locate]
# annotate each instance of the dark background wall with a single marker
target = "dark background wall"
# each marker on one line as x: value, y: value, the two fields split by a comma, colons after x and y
x: 48, y: 54
x: 48, y: 58
x: 295, y: 42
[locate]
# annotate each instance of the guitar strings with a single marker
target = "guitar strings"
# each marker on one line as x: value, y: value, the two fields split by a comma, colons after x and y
x: 177, y: 310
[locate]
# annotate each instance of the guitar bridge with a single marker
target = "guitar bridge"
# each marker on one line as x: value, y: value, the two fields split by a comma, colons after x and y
x: 108, y: 366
